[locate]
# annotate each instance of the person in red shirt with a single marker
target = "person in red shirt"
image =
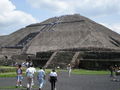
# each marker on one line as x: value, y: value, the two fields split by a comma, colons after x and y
x: 19, y: 76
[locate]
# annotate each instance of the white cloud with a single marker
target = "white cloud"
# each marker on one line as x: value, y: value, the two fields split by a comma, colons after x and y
x: 59, y: 6
x: 90, y: 8
x: 93, y: 7
x: 6, y: 6
x: 12, y: 19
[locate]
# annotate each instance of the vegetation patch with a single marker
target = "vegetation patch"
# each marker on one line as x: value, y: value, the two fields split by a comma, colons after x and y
x: 90, y: 72
x: 6, y: 69
x: 10, y: 74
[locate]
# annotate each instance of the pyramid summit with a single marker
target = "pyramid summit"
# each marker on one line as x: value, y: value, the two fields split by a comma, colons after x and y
x: 64, y: 33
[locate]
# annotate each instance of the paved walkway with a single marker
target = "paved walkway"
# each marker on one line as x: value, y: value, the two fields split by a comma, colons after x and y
x: 75, y: 82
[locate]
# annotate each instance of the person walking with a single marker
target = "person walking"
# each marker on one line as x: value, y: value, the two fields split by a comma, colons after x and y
x: 19, y: 76
x: 30, y: 75
x: 69, y: 68
x: 33, y: 74
x: 111, y: 68
x: 53, y: 79
x: 41, y: 78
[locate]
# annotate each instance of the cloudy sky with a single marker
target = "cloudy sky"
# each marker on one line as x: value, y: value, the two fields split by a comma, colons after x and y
x: 16, y: 14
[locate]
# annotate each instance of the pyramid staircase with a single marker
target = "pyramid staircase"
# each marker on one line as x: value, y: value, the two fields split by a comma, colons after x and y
x: 61, y: 59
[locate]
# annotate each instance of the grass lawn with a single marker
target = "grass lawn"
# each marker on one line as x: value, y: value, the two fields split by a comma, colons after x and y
x: 11, y: 71
x: 10, y: 87
x: 6, y: 67
x: 8, y: 71
x: 90, y: 72
x: 74, y: 71
x: 9, y: 74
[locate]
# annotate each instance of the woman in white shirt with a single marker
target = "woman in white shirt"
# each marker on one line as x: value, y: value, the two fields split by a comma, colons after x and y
x: 53, y: 79
x: 30, y: 75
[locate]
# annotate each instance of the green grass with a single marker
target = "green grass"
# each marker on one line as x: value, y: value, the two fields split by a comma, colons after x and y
x: 74, y: 71
x: 9, y: 87
x: 10, y: 74
x: 13, y: 72
x: 8, y: 71
x: 6, y: 67
x: 90, y: 72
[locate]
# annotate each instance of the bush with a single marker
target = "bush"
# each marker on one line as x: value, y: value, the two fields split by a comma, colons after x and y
x: 4, y: 70
x: 6, y: 62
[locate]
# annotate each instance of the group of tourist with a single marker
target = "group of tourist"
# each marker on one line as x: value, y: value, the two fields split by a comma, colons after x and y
x: 114, y: 71
x: 30, y: 74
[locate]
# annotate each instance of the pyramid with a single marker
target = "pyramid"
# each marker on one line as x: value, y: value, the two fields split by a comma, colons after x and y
x: 68, y: 32
x: 64, y: 32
